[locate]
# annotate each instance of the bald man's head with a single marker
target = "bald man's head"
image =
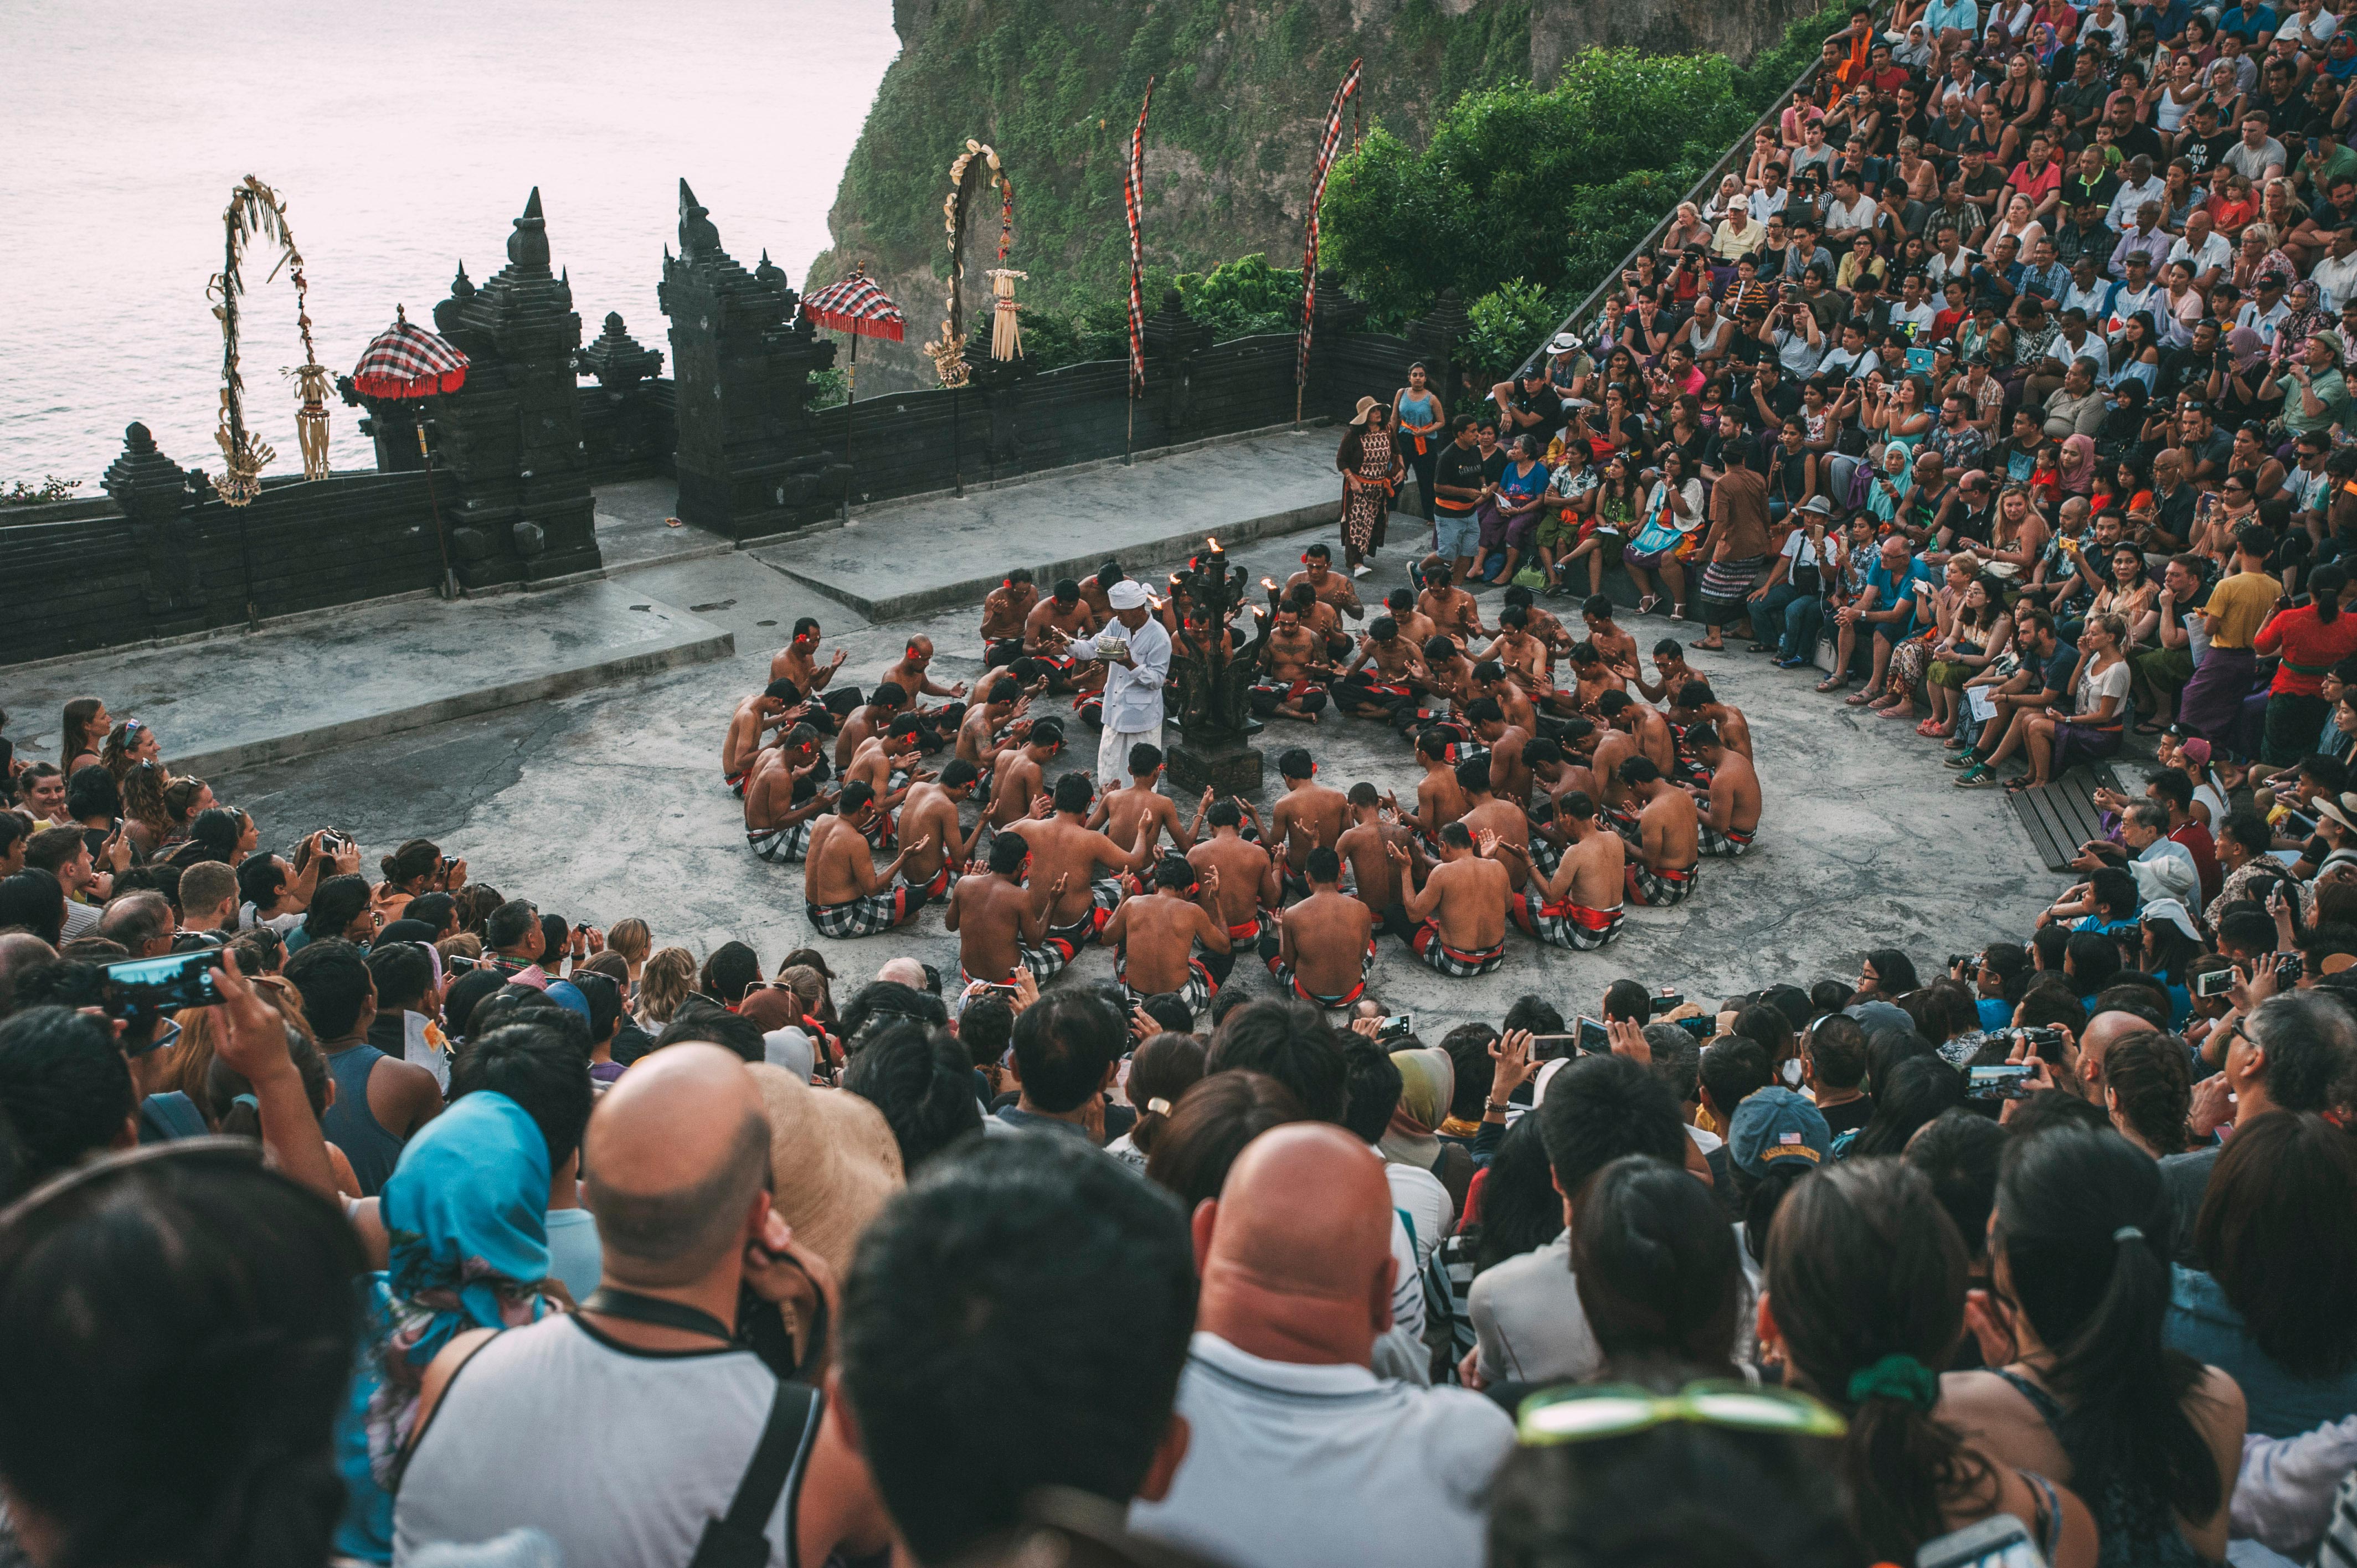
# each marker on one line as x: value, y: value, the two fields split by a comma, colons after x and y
x: 2096, y: 1044
x: 1299, y: 1238
x: 19, y: 950
x: 677, y: 1150
x: 904, y: 971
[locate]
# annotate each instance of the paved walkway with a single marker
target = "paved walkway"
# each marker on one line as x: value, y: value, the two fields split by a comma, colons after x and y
x: 909, y: 558
x: 326, y: 680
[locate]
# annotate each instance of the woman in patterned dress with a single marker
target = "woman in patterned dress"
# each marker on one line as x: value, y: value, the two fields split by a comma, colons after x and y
x: 1370, y: 465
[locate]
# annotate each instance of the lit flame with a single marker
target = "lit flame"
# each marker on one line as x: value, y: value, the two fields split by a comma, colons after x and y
x: 1213, y: 541
x: 1268, y: 582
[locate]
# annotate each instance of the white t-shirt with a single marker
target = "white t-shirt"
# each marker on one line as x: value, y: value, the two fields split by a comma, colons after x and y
x: 282, y: 924
x: 1420, y: 1195
x: 2095, y: 686
x: 1918, y: 317
x: 1858, y: 214
x: 1324, y: 1466
x: 574, y: 1255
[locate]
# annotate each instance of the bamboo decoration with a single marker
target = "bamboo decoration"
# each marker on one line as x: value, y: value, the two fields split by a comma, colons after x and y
x: 973, y: 169
x: 254, y: 209
x: 1005, y: 331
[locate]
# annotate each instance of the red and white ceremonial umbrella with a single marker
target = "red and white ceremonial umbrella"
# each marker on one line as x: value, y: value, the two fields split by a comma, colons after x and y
x: 404, y: 362
x: 858, y: 308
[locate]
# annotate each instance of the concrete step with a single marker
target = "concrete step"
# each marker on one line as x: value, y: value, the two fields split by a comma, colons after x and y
x: 289, y: 690
x: 899, y: 561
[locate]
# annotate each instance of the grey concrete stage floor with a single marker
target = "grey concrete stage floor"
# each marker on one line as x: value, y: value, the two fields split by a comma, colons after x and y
x: 335, y: 676
x: 899, y: 559
x: 608, y: 803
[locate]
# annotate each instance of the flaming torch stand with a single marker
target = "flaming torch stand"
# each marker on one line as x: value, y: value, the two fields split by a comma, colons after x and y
x: 1213, y: 678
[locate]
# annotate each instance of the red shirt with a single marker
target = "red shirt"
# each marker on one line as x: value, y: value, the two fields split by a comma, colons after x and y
x: 2310, y: 647
x: 2038, y: 185
x: 2204, y: 851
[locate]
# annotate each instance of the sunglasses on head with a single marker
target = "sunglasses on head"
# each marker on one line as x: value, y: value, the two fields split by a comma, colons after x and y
x: 1620, y: 1410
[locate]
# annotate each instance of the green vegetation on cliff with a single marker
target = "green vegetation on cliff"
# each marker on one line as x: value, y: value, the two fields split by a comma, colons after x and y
x: 1523, y: 188
x: 1055, y: 86
x: 1470, y: 176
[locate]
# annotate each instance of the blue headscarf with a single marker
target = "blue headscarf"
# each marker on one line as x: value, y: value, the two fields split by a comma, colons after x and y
x: 464, y: 1213
x: 1884, y: 507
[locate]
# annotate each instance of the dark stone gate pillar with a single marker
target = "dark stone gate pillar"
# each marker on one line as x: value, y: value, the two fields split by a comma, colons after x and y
x: 747, y: 455
x: 513, y: 477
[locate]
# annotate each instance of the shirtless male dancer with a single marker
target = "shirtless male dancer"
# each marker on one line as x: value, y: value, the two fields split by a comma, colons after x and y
x: 1461, y: 908
x: 1064, y: 848
x: 1380, y: 681
x: 782, y: 799
x: 1377, y: 880
x: 1731, y: 823
x: 1002, y: 925
x: 909, y: 673
x: 1003, y: 610
x: 1667, y: 841
x: 1309, y: 816
x: 1116, y: 813
x: 1325, y: 943
x: 1454, y: 613
x: 1489, y: 818
x: 1293, y: 685
x: 772, y: 708
x: 843, y: 892
x: 931, y: 813
x: 1579, y: 907
x: 798, y: 662
x: 1244, y: 875
x: 1016, y: 778
x: 1154, y: 934
x: 1063, y: 612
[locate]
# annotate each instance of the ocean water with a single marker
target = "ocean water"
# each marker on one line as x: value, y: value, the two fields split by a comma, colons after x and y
x: 403, y: 140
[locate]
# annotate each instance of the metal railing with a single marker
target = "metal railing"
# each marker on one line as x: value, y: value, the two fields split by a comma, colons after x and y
x: 1735, y: 156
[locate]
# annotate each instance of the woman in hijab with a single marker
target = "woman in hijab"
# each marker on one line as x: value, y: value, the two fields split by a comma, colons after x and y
x: 1427, y: 1085
x: 467, y: 1248
x: 2308, y: 315
x: 1890, y: 484
x: 2075, y: 475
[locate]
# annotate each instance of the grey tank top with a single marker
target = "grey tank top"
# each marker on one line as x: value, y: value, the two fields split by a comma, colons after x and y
x: 620, y: 1455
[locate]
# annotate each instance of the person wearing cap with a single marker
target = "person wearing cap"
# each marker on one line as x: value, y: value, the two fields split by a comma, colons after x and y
x: 1776, y: 1124
x: 1369, y: 460
x: 2318, y: 397
x: 2163, y: 868
x: 1138, y: 661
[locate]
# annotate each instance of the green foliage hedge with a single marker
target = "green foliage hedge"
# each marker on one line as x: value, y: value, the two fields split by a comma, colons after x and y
x: 1549, y: 186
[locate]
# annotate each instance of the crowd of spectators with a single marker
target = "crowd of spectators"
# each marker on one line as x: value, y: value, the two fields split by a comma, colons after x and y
x: 461, y: 1231
x: 446, y: 1228
x: 2013, y: 362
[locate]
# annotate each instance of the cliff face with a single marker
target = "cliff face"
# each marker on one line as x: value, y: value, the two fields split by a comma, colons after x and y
x: 1241, y: 87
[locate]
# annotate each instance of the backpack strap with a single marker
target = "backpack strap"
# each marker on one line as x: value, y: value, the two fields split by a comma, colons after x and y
x: 740, y: 1538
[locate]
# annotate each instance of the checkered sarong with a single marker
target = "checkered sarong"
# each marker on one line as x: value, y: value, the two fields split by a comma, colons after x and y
x: 1731, y: 845
x: 1622, y: 822
x: 735, y: 782
x: 781, y: 846
x: 1443, y: 958
x: 1283, y: 972
x: 925, y: 893
x: 1567, y: 924
x: 1045, y: 962
x: 1105, y: 898
x: 1197, y: 993
x: 870, y: 917
x: 1659, y: 889
x: 878, y: 833
x: 1547, y: 855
